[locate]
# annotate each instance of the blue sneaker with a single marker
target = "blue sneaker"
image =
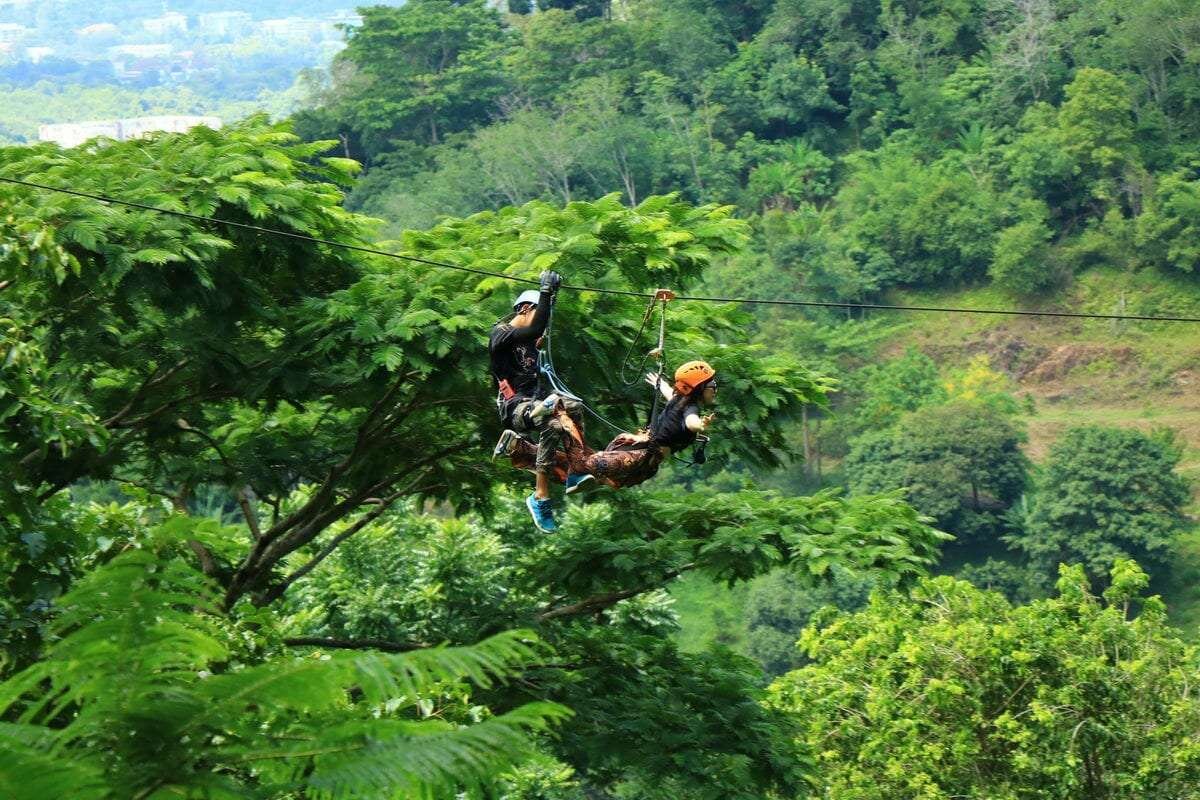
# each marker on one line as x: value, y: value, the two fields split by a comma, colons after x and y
x: 543, y: 514
x: 580, y: 483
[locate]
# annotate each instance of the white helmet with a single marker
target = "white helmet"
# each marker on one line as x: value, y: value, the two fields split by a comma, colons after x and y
x: 529, y: 296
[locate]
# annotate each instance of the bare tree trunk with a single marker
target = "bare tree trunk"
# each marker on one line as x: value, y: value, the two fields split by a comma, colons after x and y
x: 808, y: 454
x: 818, y: 448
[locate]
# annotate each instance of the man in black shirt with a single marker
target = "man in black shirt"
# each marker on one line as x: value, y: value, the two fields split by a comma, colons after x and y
x: 523, y: 406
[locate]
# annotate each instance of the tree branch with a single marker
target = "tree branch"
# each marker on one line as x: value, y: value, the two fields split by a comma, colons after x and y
x: 243, y: 497
x: 183, y: 425
x: 306, y: 524
x: 207, y: 565
x: 355, y: 644
x: 276, y: 591
x: 602, y: 601
x: 153, y: 379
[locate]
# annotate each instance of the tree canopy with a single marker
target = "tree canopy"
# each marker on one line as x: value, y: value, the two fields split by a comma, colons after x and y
x: 955, y: 691
x: 316, y: 394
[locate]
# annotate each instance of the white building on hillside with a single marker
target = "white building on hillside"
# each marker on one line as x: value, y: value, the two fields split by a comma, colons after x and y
x: 140, y: 51
x: 12, y: 32
x: 75, y: 133
x: 71, y: 134
x: 291, y: 27
x: 225, y: 23
x: 171, y: 22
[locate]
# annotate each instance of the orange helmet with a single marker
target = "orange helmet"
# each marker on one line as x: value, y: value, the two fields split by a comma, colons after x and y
x: 691, y: 375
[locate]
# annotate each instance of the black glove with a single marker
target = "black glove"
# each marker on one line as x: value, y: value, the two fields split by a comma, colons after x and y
x: 551, y: 280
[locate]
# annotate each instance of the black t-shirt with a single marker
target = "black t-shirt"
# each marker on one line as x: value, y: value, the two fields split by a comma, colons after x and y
x: 669, y: 428
x: 514, y: 358
x: 513, y: 353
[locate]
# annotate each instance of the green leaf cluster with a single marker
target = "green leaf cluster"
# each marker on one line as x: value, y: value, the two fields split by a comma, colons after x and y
x: 146, y: 691
x: 953, y: 691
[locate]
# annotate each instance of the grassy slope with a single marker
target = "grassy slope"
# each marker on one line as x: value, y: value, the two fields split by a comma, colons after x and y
x: 1078, y: 372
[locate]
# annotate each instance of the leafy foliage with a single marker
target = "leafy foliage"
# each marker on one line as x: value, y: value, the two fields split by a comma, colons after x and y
x: 304, y: 395
x: 954, y: 690
x: 959, y: 462
x: 146, y: 691
x: 1105, y: 494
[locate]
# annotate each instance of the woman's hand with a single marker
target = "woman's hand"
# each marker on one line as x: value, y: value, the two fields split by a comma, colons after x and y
x: 631, y: 438
x: 664, y: 387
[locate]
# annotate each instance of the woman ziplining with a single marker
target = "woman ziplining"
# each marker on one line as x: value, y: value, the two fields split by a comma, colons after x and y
x: 519, y: 351
x: 632, y: 458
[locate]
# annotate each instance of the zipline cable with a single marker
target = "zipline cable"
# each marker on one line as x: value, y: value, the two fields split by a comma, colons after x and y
x: 626, y: 293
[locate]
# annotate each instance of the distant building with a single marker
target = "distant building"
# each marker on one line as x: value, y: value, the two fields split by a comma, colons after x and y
x: 138, y: 127
x: 225, y: 23
x: 140, y: 51
x: 99, y: 29
x: 12, y: 32
x: 292, y: 27
x: 75, y: 133
x: 171, y: 22
x: 71, y: 134
x: 36, y: 54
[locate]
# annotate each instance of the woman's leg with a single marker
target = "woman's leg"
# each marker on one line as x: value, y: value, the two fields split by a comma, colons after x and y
x: 616, y: 467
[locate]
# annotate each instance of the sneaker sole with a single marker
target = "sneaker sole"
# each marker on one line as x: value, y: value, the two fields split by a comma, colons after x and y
x: 502, y: 446
x: 584, y: 486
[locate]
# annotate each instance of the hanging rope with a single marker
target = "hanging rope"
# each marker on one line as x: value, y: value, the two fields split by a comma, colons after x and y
x: 623, y: 373
x: 659, y: 353
x: 546, y: 368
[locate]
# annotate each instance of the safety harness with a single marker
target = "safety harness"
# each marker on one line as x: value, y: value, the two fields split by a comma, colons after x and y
x: 658, y: 353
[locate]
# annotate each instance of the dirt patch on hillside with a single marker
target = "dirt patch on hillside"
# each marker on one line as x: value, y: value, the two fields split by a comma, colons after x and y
x: 1034, y: 364
x: 1008, y: 351
x: 1059, y: 363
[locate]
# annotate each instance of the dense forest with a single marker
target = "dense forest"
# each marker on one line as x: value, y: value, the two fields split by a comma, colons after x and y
x: 254, y: 543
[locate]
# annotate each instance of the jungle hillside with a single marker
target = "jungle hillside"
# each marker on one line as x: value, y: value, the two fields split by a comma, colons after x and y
x: 255, y: 543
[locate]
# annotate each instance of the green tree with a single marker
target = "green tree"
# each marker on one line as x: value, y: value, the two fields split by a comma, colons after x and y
x: 773, y: 92
x: 555, y: 52
x: 956, y: 692
x: 1166, y: 232
x: 1080, y: 158
x: 314, y: 388
x: 417, y: 72
x: 959, y: 462
x: 779, y: 607
x: 885, y: 392
x: 1021, y: 262
x: 1105, y: 494
x: 802, y: 174
x: 936, y: 223
x: 140, y: 658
